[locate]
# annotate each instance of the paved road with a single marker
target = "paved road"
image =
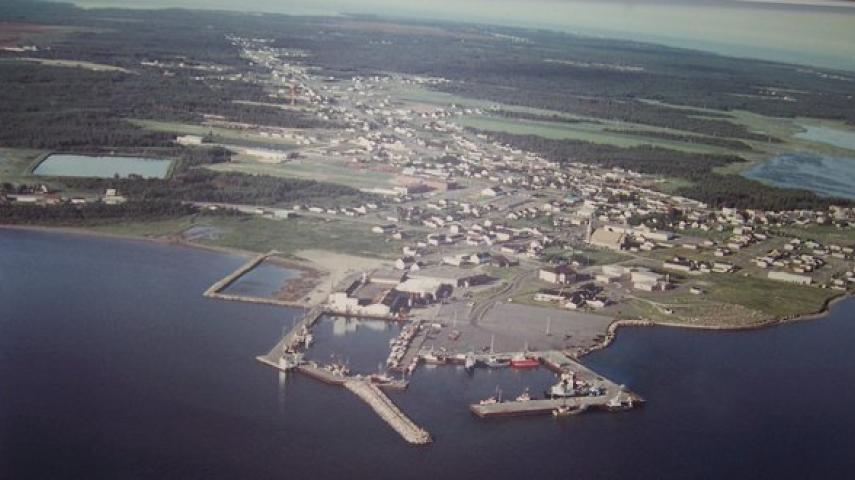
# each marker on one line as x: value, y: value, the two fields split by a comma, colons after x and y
x: 509, y: 290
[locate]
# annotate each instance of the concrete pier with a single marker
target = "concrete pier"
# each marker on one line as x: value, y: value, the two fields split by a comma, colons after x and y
x: 224, y: 282
x: 216, y: 290
x: 321, y: 374
x: 388, y: 411
x: 289, y: 340
x: 627, y: 401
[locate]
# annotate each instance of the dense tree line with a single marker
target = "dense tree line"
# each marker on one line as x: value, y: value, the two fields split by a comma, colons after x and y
x: 200, y: 185
x: 644, y: 158
x: 68, y: 214
x: 555, y: 118
x: 740, y: 192
x: 703, y: 140
x: 65, y: 108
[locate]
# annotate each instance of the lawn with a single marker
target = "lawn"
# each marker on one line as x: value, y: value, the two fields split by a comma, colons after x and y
x: 288, y: 236
x: 771, y: 297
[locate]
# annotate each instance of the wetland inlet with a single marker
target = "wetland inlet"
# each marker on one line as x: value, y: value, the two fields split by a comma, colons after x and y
x: 825, y: 175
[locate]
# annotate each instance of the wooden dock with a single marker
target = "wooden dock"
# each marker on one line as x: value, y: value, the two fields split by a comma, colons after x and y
x: 388, y: 411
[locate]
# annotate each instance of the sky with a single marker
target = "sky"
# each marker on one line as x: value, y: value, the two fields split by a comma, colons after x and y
x: 811, y: 32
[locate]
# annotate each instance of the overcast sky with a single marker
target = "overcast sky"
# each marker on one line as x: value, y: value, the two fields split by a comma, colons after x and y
x: 819, y: 32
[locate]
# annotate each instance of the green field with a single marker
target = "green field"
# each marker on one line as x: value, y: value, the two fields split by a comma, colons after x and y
x: 17, y: 164
x: 221, y: 135
x: 331, y: 171
x: 261, y: 235
x: 768, y: 296
x: 586, y: 132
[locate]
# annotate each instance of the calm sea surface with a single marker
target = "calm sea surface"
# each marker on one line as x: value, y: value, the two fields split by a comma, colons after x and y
x: 264, y: 280
x: 113, y: 366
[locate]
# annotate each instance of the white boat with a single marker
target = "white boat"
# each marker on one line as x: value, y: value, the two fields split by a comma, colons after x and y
x: 562, y: 411
x: 564, y: 387
x: 493, y: 362
x: 290, y: 360
x: 524, y: 397
x: 619, y: 402
x: 469, y: 362
x: 433, y: 359
x: 497, y: 398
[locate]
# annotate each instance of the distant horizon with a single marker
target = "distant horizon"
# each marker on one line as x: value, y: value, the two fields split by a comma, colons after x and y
x: 812, y: 33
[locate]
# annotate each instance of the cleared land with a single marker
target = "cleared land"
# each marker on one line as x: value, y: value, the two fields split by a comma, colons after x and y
x: 586, y: 132
x: 95, y: 67
x: 325, y: 170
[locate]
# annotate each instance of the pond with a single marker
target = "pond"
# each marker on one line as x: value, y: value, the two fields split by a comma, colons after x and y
x: 265, y: 281
x: 69, y: 165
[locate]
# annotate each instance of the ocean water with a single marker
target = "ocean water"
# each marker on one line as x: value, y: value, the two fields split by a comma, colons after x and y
x: 112, y: 365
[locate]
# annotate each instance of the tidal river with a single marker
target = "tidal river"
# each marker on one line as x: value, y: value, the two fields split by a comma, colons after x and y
x: 112, y: 365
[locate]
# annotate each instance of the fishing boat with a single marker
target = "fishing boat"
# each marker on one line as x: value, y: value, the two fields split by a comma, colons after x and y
x: 562, y: 411
x: 469, y: 362
x: 431, y: 358
x: 564, y: 388
x: 619, y: 402
x: 290, y: 360
x: 497, y: 398
x: 493, y: 362
x: 522, y: 361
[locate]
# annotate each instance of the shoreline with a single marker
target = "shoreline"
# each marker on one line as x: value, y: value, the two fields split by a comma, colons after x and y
x: 614, y: 327
x: 236, y: 252
x: 611, y: 333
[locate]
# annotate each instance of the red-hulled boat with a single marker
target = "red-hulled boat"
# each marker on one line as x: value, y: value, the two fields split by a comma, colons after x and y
x: 521, y: 361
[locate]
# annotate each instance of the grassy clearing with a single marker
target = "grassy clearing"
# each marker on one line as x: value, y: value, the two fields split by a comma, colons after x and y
x: 778, y: 299
x: 288, y: 236
x: 825, y: 234
x: 95, y: 67
x: 587, y: 132
x: 153, y: 229
x: 325, y: 171
x: 222, y: 135
x: 17, y: 164
x: 262, y: 235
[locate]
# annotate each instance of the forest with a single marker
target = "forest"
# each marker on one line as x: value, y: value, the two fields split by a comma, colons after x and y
x: 201, y: 185
x: 93, y: 213
x: 644, y: 158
